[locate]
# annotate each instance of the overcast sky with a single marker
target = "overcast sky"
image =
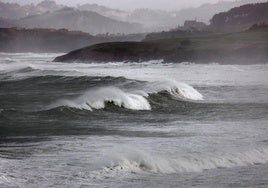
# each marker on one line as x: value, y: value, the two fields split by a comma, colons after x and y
x: 132, y: 4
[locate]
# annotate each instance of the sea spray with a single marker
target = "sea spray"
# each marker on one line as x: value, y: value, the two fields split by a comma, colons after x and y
x: 141, y: 161
x: 97, y: 99
x: 134, y: 100
x: 177, y: 89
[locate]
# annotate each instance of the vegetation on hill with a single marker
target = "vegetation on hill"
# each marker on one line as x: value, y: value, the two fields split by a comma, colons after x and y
x: 243, y: 47
x: 240, y: 18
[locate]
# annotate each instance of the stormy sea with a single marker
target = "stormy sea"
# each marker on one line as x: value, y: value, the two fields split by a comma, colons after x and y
x: 148, y: 124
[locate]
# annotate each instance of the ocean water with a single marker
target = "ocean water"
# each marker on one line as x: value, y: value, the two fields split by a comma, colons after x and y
x: 132, y: 124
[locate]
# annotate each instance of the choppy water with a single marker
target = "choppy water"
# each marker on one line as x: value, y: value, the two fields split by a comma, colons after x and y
x: 132, y: 125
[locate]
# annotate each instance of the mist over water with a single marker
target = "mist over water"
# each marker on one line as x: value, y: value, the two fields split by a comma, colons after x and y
x: 131, y: 124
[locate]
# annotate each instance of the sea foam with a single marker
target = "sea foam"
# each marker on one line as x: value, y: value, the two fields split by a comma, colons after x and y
x: 143, y: 162
x: 136, y: 99
x: 97, y: 99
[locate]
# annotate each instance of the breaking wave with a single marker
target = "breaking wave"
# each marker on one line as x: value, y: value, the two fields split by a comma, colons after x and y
x: 143, y: 162
x: 97, y: 99
x: 177, y: 89
x: 134, y: 99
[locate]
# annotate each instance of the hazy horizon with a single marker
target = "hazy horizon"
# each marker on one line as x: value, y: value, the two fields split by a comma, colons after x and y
x: 130, y: 4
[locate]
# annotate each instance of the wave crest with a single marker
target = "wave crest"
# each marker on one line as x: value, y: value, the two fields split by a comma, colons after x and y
x: 97, y: 99
x: 138, y: 162
x: 176, y: 89
x: 133, y: 99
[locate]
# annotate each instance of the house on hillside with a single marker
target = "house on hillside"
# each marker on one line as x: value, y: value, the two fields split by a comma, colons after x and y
x: 193, y: 25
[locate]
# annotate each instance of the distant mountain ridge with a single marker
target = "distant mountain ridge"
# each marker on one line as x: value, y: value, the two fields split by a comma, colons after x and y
x: 48, y: 14
x: 117, y: 14
x: 97, y: 19
x: 16, y: 11
x: 150, y: 19
x: 153, y: 20
x: 158, y: 20
x: 73, y: 19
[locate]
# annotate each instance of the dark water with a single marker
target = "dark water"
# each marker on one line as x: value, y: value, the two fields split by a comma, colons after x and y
x: 131, y: 125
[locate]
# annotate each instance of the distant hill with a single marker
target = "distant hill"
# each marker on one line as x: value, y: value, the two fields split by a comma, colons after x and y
x: 48, y: 14
x: 159, y: 20
x: 97, y: 19
x: 240, y: 18
x: 16, y: 11
x: 52, y: 40
x: 116, y: 14
x: 236, y: 19
x: 248, y: 47
x: 72, y: 19
x: 206, y: 11
x: 153, y: 20
x: 41, y: 40
x: 5, y: 23
x: 113, y: 20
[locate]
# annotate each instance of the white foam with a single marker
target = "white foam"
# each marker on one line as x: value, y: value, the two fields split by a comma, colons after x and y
x: 13, y: 66
x: 4, y: 180
x: 197, y: 74
x: 143, y: 162
x: 177, y: 89
x: 96, y: 99
x: 134, y: 100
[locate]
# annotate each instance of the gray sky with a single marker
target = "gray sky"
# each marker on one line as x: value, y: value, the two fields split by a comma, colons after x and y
x: 131, y: 4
